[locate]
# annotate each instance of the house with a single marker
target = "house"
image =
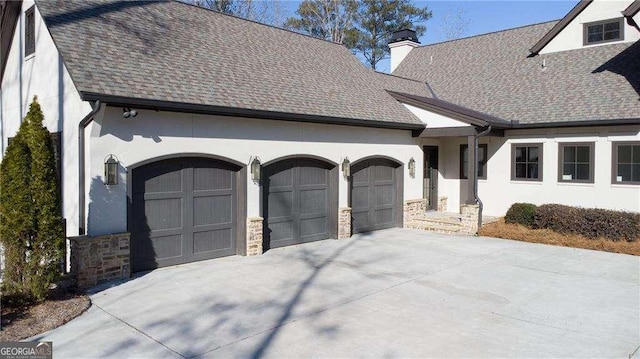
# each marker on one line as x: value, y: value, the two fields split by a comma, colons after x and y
x: 562, y: 101
x: 184, y: 134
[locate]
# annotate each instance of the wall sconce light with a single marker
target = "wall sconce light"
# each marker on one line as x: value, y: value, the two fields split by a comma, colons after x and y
x: 346, y: 167
x: 111, y: 171
x: 127, y: 112
x: 255, y: 169
x: 412, y: 168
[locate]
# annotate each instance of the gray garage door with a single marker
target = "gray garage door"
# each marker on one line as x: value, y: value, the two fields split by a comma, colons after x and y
x: 373, y: 195
x: 297, y: 202
x: 184, y: 210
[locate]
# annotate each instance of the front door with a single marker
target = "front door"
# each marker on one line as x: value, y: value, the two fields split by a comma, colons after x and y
x: 430, y: 177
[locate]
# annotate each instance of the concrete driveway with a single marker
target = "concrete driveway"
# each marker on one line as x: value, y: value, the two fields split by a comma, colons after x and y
x: 392, y: 293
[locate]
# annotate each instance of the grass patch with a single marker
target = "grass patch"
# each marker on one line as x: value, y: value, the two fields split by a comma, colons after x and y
x: 500, y: 229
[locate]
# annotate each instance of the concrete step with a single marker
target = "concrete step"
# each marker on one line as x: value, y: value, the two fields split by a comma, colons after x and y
x: 438, y: 224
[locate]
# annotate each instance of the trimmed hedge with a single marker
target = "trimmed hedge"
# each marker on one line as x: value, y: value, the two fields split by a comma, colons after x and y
x: 589, y: 222
x: 521, y: 213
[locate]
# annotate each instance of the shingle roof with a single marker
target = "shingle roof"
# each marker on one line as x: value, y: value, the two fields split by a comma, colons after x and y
x: 175, y: 52
x: 493, y: 74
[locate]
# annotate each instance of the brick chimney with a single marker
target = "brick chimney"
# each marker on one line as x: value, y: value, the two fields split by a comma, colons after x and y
x: 402, y: 42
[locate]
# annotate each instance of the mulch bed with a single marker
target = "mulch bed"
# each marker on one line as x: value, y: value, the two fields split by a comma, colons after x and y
x: 518, y: 232
x: 21, y: 321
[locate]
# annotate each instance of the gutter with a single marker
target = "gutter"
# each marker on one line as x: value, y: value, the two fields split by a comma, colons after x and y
x: 162, y: 105
x: 475, y: 174
x: 97, y: 106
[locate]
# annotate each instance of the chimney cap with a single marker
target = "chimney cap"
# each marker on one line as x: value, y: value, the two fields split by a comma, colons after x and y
x: 404, y: 34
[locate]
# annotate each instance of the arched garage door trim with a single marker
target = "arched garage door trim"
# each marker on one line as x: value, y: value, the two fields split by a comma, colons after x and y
x: 240, y: 191
x: 332, y: 203
x: 399, y: 185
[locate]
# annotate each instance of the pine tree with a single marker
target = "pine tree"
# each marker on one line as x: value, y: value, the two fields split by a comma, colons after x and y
x: 31, y: 227
x: 16, y: 217
x: 47, y: 243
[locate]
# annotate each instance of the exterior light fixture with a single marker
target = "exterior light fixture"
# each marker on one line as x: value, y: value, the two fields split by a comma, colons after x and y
x: 127, y: 112
x: 346, y: 167
x: 111, y: 171
x: 412, y: 168
x: 255, y: 169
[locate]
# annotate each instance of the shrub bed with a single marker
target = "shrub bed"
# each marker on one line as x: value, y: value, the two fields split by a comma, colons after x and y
x: 589, y: 222
x: 521, y: 213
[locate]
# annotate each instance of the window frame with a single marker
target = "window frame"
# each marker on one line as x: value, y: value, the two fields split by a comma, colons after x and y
x: 481, y: 163
x: 592, y: 165
x: 614, y: 161
x: 540, y: 147
x: 585, y: 31
x: 30, y: 46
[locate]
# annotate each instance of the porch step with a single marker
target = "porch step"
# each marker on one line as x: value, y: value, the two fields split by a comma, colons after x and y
x: 446, y: 225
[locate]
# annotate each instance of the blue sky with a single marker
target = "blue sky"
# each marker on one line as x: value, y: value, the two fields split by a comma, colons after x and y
x: 484, y: 16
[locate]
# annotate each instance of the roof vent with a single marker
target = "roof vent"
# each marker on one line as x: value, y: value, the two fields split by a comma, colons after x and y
x: 402, y: 35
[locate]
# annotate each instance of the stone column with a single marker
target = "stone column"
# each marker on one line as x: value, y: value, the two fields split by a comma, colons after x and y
x: 442, y: 204
x: 470, y: 213
x: 344, y: 222
x: 413, y: 209
x: 254, y: 236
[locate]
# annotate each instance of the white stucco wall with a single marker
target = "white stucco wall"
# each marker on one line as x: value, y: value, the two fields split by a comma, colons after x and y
x: 45, y: 76
x: 152, y: 134
x: 498, y: 191
x: 434, y: 120
x: 572, y: 37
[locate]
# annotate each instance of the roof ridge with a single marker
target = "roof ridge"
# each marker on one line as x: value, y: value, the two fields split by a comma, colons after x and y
x: 491, y: 33
x: 254, y: 21
x: 400, y: 77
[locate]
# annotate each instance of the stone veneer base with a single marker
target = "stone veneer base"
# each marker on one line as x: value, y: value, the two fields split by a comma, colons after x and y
x: 344, y: 222
x: 100, y: 258
x: 254, y: 236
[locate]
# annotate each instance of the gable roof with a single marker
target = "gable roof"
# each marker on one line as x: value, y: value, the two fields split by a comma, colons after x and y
x: 559, y: 26
x: 9, y: 14
x: 451, y: 110
x: 495, y: 76
x: 174, y: 55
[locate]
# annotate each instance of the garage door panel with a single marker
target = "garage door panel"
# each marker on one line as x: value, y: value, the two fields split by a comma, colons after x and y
x: 212, y: 240
x: 162, y: 214
x: 360, y: 176
x: 163, y: 182
x: 167, y: 246
x: 297, y: 196
x: 313, y: 227
x: 280, y: 204
x: 313, y: 201
x: 384, y: 217
x: 212, y: 179
x: 384, y: 173
x: 360, y: 197
x: 385, y: 195
x: 283, y: 177
x: 374, y: 201
x: 184, y: 210
x: 313, y: 175
x: 280, y: 231
x: 212, y: 210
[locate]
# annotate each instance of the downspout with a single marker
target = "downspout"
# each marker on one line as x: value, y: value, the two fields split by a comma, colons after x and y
x: 475, y: 175
x: 81, y: 164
